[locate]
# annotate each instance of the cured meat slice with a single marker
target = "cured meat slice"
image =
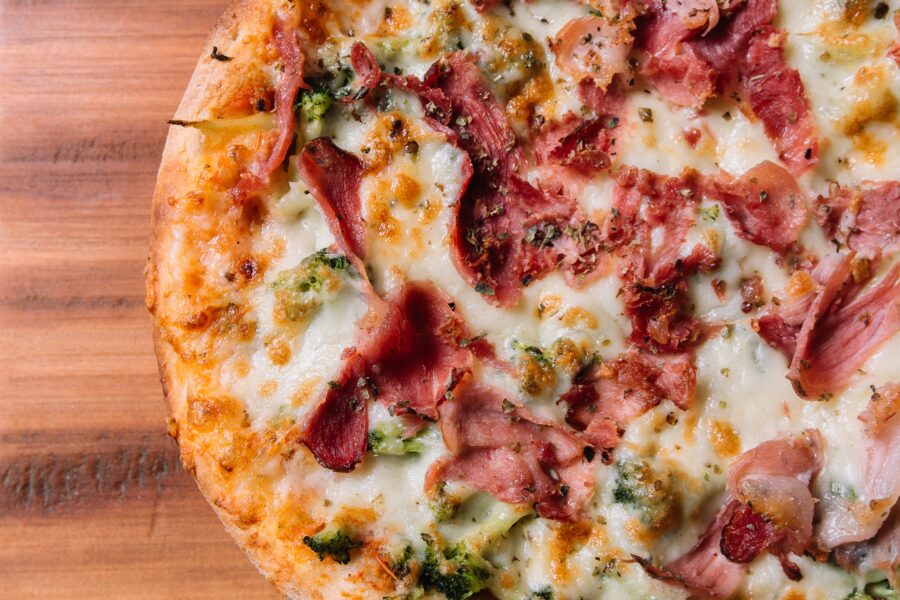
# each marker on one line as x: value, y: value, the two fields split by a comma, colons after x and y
x: 502, y: 448
x: 603, y: 401
x: 765, y: 205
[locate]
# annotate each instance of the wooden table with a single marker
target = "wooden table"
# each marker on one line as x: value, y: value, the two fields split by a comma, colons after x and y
x: 93, y: 503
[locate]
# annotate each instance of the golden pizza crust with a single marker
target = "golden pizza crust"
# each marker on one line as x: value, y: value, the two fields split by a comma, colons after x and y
x: 240, y: 33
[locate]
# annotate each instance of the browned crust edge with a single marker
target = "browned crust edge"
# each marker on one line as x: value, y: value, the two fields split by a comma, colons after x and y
x: 171, y: 182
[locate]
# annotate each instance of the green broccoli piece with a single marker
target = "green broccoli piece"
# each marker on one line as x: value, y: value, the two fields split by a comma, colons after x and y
x: 388, y: 439
x: 443, y: 506
x: 881, y: 590
x: 857, y: 594
x: 300, y: 290
x: 453, y: 571
x: 542, y: 594
x: 313, y: 105
x: 333, y: 542
x: 638, y: 486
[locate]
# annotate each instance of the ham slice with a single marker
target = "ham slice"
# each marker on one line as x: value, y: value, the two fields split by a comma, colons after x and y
x: 648, y: 206
x: 769, y: 507
x: 837, y: 337
x: 337, y: 431
x: 333, y: 176
x: 418, y: 353
x: 830, y: 329
x: 846, y: 521
x: 678, y: 72
x: 765, y: 205
x: 410, y: 362
x: 500, y: 447
x: 866, y: 218
x: 594, y: 47
x: 604, y: 400
x: 881, y: 552
x: 778, y: 98
x: 704, y: 571
x: 287, y: 42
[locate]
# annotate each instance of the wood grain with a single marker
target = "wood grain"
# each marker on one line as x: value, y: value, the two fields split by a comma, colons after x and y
x: 93, y: 503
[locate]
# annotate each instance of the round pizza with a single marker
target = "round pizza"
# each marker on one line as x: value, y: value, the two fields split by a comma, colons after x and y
x: 541, y: 299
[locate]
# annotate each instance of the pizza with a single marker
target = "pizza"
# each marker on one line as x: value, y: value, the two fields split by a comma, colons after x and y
x: 540, y: 299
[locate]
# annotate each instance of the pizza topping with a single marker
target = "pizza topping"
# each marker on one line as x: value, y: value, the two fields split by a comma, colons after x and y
x: 838, y: 336
x: 608, y: 396
x: 882, y: 552
x: 778, y: 98
x: 303, y: 289
x: 416, y: 356
x: 333, y: 542
x: 704, y: 570
x: 867, y: 219
x: 769, y: 507
x: 680, y: 75
x: 337, y: 430
x: 648, y: 225
x: 594, y: 47
x: 765, y: 205
x: 773, y: 480
x: 512, y: 454
x: 846, y: 518
x: 333, y: 176
x: 287, y: 42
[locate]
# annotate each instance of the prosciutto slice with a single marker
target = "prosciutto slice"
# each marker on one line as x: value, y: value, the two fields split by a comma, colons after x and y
x: 500, y: 447
x: 867, y: 218
x: 603, y: 401
x: 655, y: 291
x: 765, y: 205
x: 337, y: 431
x: 410, y: 362
x: 769, y: 507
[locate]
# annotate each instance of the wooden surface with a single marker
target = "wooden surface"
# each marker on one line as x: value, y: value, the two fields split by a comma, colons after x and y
x: 92, y: 501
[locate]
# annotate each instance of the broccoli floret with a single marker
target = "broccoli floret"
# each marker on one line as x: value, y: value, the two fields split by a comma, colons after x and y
x: 881, y: 590
x: 542, y: 594
x: 857, y: 594
x: 388, y: 439
x: 300, y: 290
x: 454, y: 571
x: 638, y: 486
x: 314, y: 104
x: 333, y: 542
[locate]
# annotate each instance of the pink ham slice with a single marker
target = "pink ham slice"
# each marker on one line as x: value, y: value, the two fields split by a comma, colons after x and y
x: 410, y: 361
x: 500, y: 447
x: 778, y: 98
x: 765, y: 205
x: 846, y: 524
x: 594, y: 47
x: 837, y: 337
x: 867, y: 218
x: 287, y: 42
x: 655, y: 291
x: 418, y: 354
x: 337, y: 431
x: 678, y: 72
x: 333, y: 176
x: 829, y: 332
x: 603, y: 401
x: 704, y: 571
x: 769, y: 507
x: 688, y: 65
